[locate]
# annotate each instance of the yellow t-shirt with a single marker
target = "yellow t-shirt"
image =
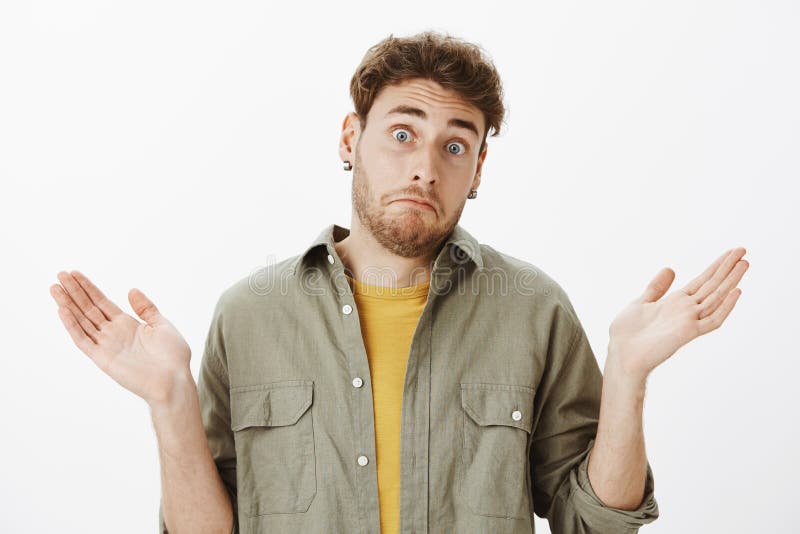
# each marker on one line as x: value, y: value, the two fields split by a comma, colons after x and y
x: 388, y: 317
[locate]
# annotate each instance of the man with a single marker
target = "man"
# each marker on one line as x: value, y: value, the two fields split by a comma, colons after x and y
x: 398, y: 375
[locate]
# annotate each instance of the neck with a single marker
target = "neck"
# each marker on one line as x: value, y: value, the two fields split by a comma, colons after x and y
x: 366, y: 260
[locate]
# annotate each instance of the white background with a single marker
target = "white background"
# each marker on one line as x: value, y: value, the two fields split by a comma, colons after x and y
x: 175, y: 147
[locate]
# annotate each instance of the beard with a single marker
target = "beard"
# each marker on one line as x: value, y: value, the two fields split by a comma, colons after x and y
x: 407, y: 232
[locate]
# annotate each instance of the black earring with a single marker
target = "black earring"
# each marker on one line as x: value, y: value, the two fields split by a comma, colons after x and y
x: 348, y: 166
x: 473, y: 193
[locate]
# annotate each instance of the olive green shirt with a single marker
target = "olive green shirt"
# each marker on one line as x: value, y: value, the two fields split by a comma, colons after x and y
x: 500, y: 403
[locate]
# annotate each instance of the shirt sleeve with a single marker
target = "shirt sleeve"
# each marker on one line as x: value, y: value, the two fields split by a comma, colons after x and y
x: 567, y: 409
x: 214, y: 395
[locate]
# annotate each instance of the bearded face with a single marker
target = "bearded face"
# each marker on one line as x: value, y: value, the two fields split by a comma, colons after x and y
x: 420, y: 140
x: 403, y: 228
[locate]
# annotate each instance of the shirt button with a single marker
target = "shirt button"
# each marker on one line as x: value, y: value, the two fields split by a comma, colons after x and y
x: 357, y: 382
x: 516, y: 415
x: 330, y: 259
x: 347, y: 309
x: 363, y: 460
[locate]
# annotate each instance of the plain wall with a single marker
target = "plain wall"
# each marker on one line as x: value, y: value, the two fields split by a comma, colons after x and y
x: 176, y: 147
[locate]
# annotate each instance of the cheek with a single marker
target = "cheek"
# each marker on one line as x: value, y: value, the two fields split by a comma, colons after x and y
x: 380, y: 162
x: 384, y: 174
x: 456, y: 190
x: 454, y: 196
x: 386, y: 168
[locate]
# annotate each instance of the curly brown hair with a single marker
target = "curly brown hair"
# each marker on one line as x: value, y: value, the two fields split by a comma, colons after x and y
x: 455, y: 64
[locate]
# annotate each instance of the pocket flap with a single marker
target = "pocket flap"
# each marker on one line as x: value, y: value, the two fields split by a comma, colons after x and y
x: 498, y: 404
x: 274, y: 404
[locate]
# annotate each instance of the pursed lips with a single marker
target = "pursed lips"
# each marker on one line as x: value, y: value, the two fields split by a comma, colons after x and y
x: 418, y: 201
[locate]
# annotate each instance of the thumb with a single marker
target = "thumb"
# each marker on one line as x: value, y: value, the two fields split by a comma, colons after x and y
x: 658, y: 285
x: 144, y: 307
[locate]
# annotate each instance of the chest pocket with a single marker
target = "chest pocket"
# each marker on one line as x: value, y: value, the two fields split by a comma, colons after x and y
x: 275, y: 454
x: 497, y: 425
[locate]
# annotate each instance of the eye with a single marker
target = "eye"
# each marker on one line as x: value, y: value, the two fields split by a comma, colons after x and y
x: 404, y: 135
x: 455, y: 143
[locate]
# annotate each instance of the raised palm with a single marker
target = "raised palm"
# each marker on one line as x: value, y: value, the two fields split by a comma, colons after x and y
x: 148, y: 358
x: 651, y: 328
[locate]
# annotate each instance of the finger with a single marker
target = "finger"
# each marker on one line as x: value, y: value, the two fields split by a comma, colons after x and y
x: 695, y: 284
x: 81, y: 299
x: 67, y: 304
x: 712, y: 301
x: 76, y: 332
x: 658, y: 285
x: 722, y: 271
x: 714, y: 320
x: 109, y: 309
x: 144, y: 307
x: 84, y: 342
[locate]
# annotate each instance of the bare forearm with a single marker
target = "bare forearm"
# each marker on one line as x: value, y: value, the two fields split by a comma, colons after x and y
x: 617, y: 463
x: 194, y: 498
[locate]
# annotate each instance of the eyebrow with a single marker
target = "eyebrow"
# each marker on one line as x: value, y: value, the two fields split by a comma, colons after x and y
x: 416, y: 112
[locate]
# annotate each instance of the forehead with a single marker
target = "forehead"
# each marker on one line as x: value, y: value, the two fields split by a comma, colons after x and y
x: 439, y: 103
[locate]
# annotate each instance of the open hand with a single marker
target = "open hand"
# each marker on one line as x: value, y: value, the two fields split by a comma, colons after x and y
x: 149, y: 359
x: 650, y: 329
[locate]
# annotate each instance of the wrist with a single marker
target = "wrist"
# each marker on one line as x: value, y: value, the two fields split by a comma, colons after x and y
x: 182, y: 398
x: 623, y: 378
x: 626, y: 360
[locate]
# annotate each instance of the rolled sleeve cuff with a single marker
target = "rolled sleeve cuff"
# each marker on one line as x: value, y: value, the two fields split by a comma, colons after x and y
x: 602, y: 518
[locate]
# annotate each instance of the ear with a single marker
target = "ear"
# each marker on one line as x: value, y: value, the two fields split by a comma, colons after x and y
x: 481, y: 157
x: 351, y: 130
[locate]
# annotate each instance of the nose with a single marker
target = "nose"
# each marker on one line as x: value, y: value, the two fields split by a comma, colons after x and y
x: 426, y: 164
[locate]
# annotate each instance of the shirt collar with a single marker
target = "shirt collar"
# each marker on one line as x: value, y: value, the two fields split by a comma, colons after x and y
x: 332, y: 233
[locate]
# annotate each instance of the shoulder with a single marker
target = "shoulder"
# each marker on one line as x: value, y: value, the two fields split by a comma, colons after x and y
x: 261, y: 286
x: 527, y: 281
